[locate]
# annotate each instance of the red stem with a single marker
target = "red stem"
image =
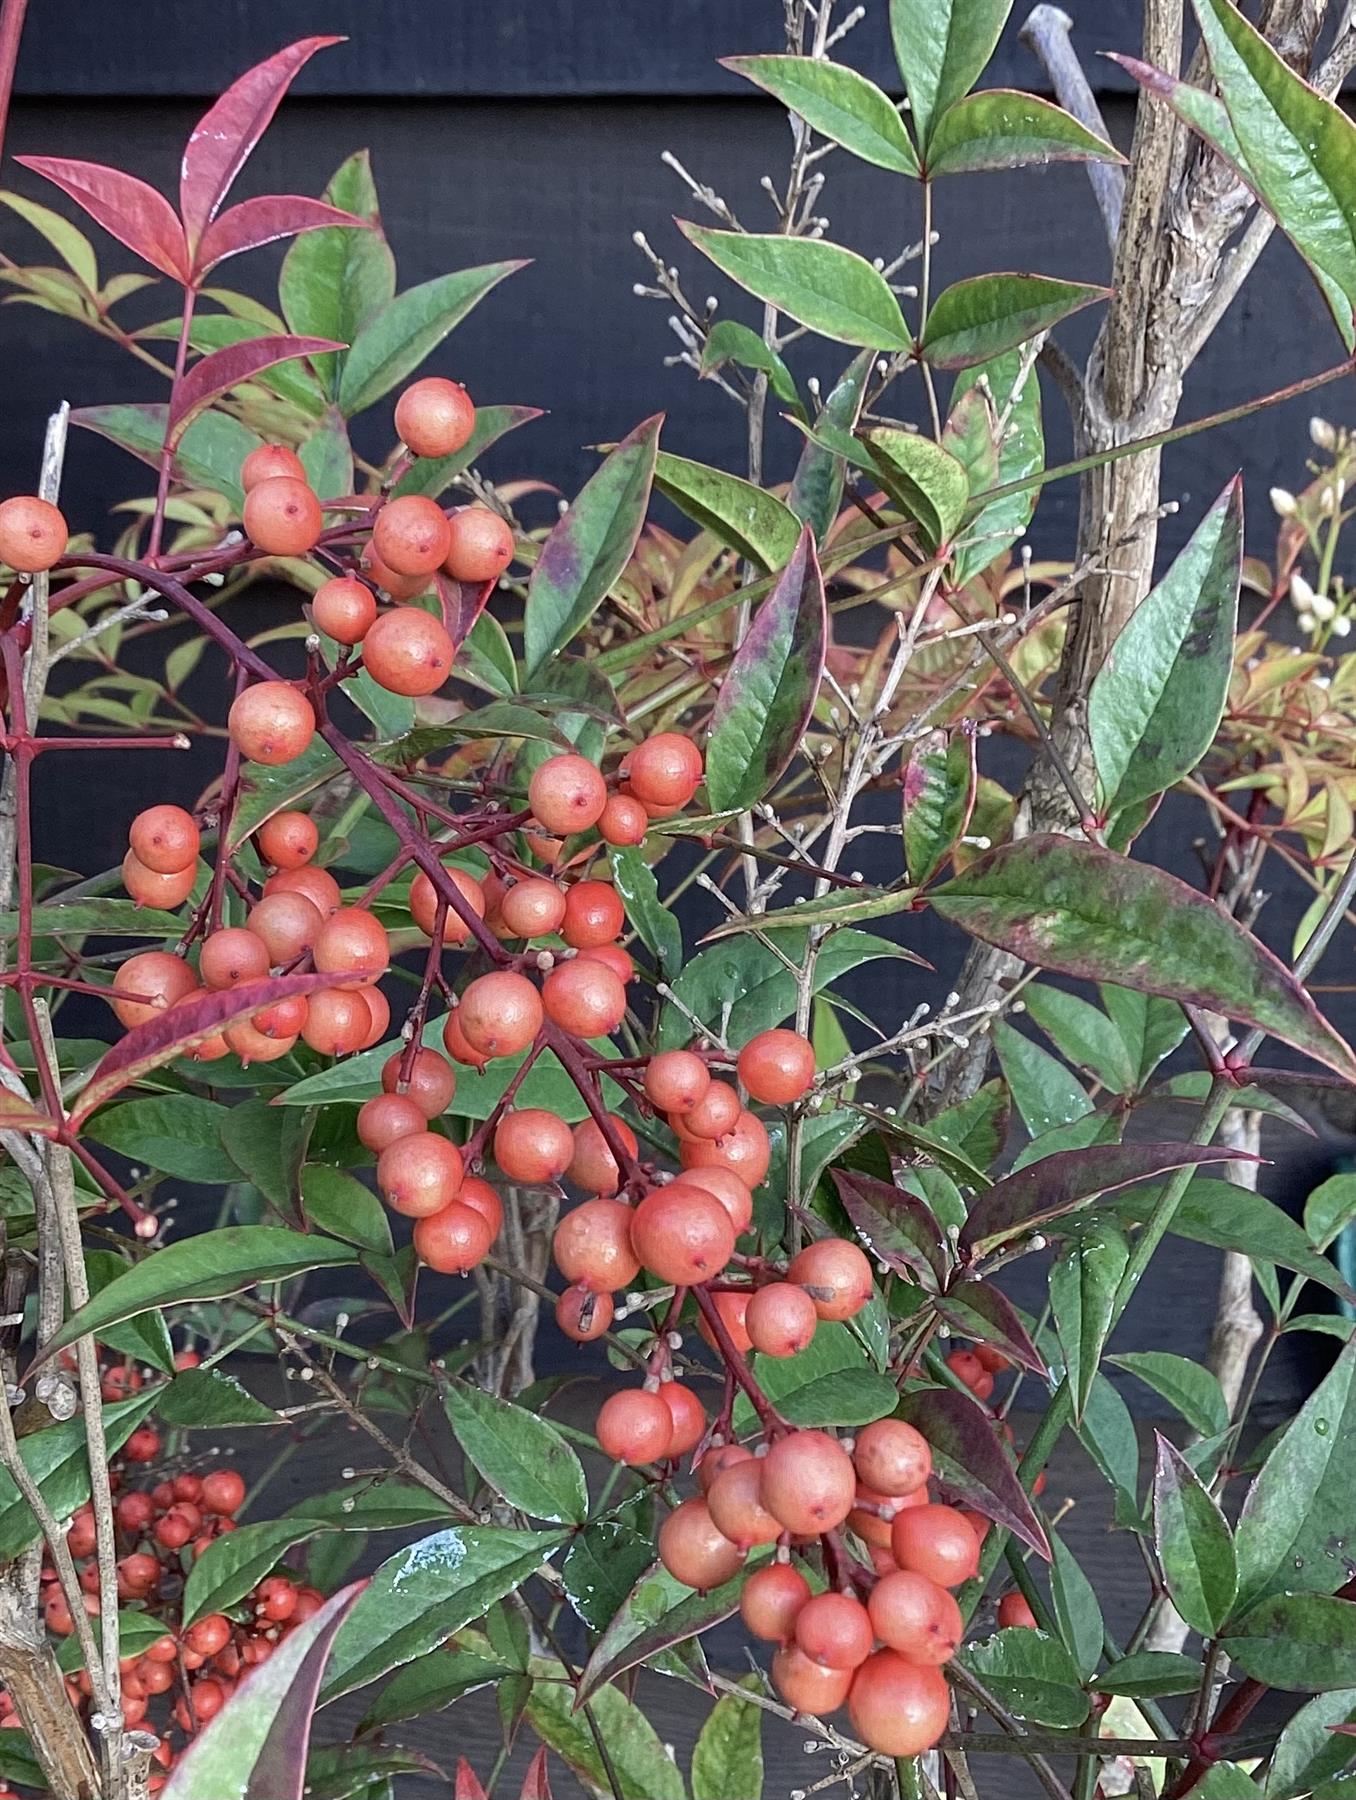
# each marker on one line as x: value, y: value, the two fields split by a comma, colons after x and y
x: 11, y: 30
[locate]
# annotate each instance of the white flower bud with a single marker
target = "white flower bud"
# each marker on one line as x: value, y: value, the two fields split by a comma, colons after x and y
x: 1322, y: 433
x: 1301, y: 594
x: 1341, y: 626
x: 1323, y: 608
x: 1283, y: 502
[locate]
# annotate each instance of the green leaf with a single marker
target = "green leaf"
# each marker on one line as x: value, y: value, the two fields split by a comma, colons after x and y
x: 1329, y: 1209
x: 1077, y: 1612
x: 747, y: 518
x: 841, y: 906
x: 396, y: 338
x: 1305, y: 1643
x: 1195, y: 1550
x: 56, y: 1459
x: 836, y: 102
x: 231, y: 1566
x: 1157, y: 700
x: 337, y: 1203
x: 926, y: 480
x: 727, y: 1758
x: 656, y: 924
x: 176, y: 1134
x: 1150, y: 1028
x: 136, y: 1632
x: 830, y: 1376
x: 205, y: 1267
x: 1084, y: 1281
x: 1003, y: 129
x: 334, y: 279
x: 1083, y: 1033
x: 1010, y: 381
x: 941, y: 47
x: 432, y: 475
x: 1308, y: 1751
x: 267, y: 1144
x: 109, y: 917
x: 658, y: 1614
x: 1044, y: 1092
x: 834, y: 291
x: 589, y: 546
x: 1296, y: 1520
x: 1188, y: 1387
x: 767, y: 698
x: 71, y: 245
x: 979, y: 318
x: 1151, y: 1674
x: 1032, y: 1674
x: 937, y: 798
x: 147, y: 1338
x: 388, y: 1503
x: 427, y: 1591
x: 816, y: 490
x: 643, y: 1767
x: 327, y: 455
x: 1086, y: 911
x: 523, y: 1457
x: 1108, y: 1435
x: 211, y: 1399
x: 427, y: 1686
x: 730, y: 342
x: 607, y: 1559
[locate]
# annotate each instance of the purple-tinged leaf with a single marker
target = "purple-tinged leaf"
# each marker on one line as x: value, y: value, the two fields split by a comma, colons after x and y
x: 226, y: 369
x: 896, y: 1227
x: 179, y: 1028
x: 264, y: 220
x: 1085, y: 911
x: 939, y: 796
x: 1004, y: 129
x: 1067, y: 1179
x: 462, y: 603
x: 127, y: 209
x: 468, y: 1782
x: 536, y: 1785
x: 20, y: 1115
x: 979, y: 1310
x: 658, y: 1613
x: 768, y: 695
x: 969, y: 1460
x: 221, y: 141
x: 1195, y: 1549
x: 256, y: 1747
x: 987, y: 314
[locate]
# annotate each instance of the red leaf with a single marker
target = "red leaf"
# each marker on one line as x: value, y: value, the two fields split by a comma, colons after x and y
x: 178, y: 1028
x: 263, y: 220
x: 462, y: 604
x: 227, y: 368
x: 224, y: 136
x: 468, y: 1783
x: 535, y: 1784
x: 127, y: 209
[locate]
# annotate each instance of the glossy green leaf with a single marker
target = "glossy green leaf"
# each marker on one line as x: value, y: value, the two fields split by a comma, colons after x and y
x: 980, y: 318
x: 333, y: 280
x: 606, y: 1560
x: 523, y: 1457
x: 70, y: 244
x: 177, y: 1134
x: 926, y: 480
x: 205, y: 1267
x: 1296, y: 1520
x: 1188, y: 1387
x: 136, y: 1632
x: 767, y: 697
x: 727, y: 1758
x: 336, y: 1202
x: 836, y: 102
x: 1151, y: 1674
x: 655, y: 923
x: 1031, y: 1674
x: 816, y: 491
x: 1329, y: 1209
x: 937, y: 797
x: 268, y: 1146
x: 827, y: 1383
x: 747, y: 518
x: 1150, y: 1028
x: 105, y: 916
x: 58, y: 1462
x: 1085, y: 911
x: 231, y: 1566
x: 1084, y: 1281
x: 327, y: 455
x: 1108, y: 1435
x: 834, y: 291
x: 386, y: 1503
x: 658, y: 1614
x: 1157, y: 700
x: 730, y: 342
x: 1083, y: 1033
x: 432, y: 475
x: 1045, y: 1093
x: 396, y: 338
x: 1004, y: 129
x: 146, y: 1338
x: 1305, y: 1643
x: 209, y: 454
x: 427, y: 1686
x: 1015, y: 398
x: 1195, y: 1549
x: 211, y: 1399
x: 941, y: 47
x: 1308, y: 1751
x: 642, y: 1766
x: 589, y: 546
x: 427, y: 1591
x: 1077, y: 1610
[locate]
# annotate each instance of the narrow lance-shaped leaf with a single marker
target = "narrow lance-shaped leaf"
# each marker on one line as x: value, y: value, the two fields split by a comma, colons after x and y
x: 988, y: 314
x: 1304, y: 1643
x: 1084, y: 1282
x: 727, y: 1758
x: 836, y: 102
x: 657, y: 1614
x: 226, y: 369
x: 938, y: 796
x: 1046, y: 1190
x: 897, y: 1227
x: 834, y: 291
x: 400, y: 334
x: 970, y: 1461
x: 1195, y: 1549
x: 589, y: 546
x: 747, y: 518
x: 768, y: 695
x: 1015, y: 392
x: 1157, y: 700
x: 220, y: 143
x: 941, y: 47
x: 1004, y: 129
x: 231, y: 1565
x: 523, y: 1457
x: 816, y: 491
x: 127, y: 209
x: 331, y: 282
x: 923, y: 478
x: 730, y: 342
x: 1088, y: 912
x: 981, y: 1310
x: 265, y: 219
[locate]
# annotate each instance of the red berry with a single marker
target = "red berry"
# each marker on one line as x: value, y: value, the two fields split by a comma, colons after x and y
x: 584, y: 997
x: 288, y: 840
x: 435, y: 417
x: 771, y: 1599
x: 271, y: 722
x: 411, y: 534
x: 594, y: 915
x: 731, y: 1308
x: 937, y: 1542
x: 164, y: 839
x: 567, y: 794
x: 715, y: 1114
x: 808, y: 1482
x: 481, y: 545
x: 482, y: 1198
x: 223, y: 1492
x: 318, y: 886
x: 532, y: 908
x: 386, y: 1117
x: 836, y: 1276
x: 533, y: 1145
x: 432, y: 1080
x: 777, y: 1067
x: 584, y: 1315
x: 732, y: 1192
x: 682, y: 1235
x: 454, y: 1239
x: 419, y: 1175
x: 807, y: 1686
x: 424, y: 905
x: 892, y: 1457
x: 500, y: 1013
x: 268, y: 461
x: 744, y: 1150
x: 408, y: 651
x: 897, y: 1707
x: 689, y: 1417
x: 282, y: 516
x: 694, y: 1551
x: 781, y: 1319
x: 967, y: 1367
x: 634, y: 1426
x: 143, y: 1446
x: 232, y: 955
x: 1015, y: 1610
x: 665, y: 770
x: 736, y: 1503
x: 149, y: 889
x: 352, y: 941
x: 676, y: 1080
x: 916, y: 1617
x: 337, y: 1021
x: 209, y: 1634
x: 592, y: 1246
x: 287, y: 923
x: 33, y: 533
x: 157, y: 978
x: 344, y: 609
x: 592, y: 1164
x: 835, y: 1629
x: 623, y: 821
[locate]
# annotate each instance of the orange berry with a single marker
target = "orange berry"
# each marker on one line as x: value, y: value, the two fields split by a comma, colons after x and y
x: 777, y: 1067
x: 434, y: 417
x: 665, y: 770
x: 318, y: 885
x: 532, y: 908
x: 634, y: 1426
x: 592, y: 1164
x: 781, y: 1319
x: 158, y: 978
x: 482, y: 1198
x: 584, y: 997
x: 268, y: 461
x: 1015, y: 1610
x: 352, y: 941
x: 835, y: 1274
x: 408, y: 652
x: 420, y: 1174
x: 688, y: 1414
x: 411, y: 534
x: 287, y: 922
x: 916, y: 1617
x: 682, y: 1235
x: 566, y: 794
x: 583, y: 1315
x: 835, y: 1629
x: 149, y: 889
x: 897, y: 1707
x: 337, y: 1021
x: 33, y: 533
x: 676, y: 1080
x: 288, y: 840
x: 271, y: 722
x: 533, y: 1145
x: 935, y: 1541
x: 892, y: 1457
x: 344, y: 608
x: 594, y: 915
x: 386, y: 1117
x: 481, y: 545
x: 432, y: 1080
x: 694, y: 1551
x: 424, y: 905
x: 744, y: 1150
x: 282, y: 516
x: 164, y: 839
x: 808, y: 1482
x: 593, y: 1249
x: 806, y: 1685
x: 770, y: 1601
x: 453, y: 1239
x: 500, y: 1013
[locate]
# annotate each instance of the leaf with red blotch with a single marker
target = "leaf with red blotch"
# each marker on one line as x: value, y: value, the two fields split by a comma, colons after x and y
x: 462, y: 603
x: 257, y: 1745
x: 1067, y: 1179
x: 127, y: 209
x: 17, y: 1114
x: 968, y: 1459
x: 227, y: 368
x: 179, y: 1028
x: 536, y: 1785
x: 468, y: 1782
x: 263, y: 220
x: 221, y: 141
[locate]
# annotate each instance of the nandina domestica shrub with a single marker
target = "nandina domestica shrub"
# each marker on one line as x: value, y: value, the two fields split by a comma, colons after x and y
x: 513, y: 938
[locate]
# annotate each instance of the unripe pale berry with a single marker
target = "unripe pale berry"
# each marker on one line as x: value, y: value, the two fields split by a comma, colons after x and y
x: 592, y: 1246
x: 407, y: 651
x: 282, y: 516
x: 481, y: 545
x: 268, y: 461
x: 500, y: 1013
x: 271, y: 722
x: 836, y: 1276
x: 420, y: 1174
x: 432, y: 1080
x: 682, y: 1235
x: 434, y: 417
x: 770, y: 1601
x: 777, y: 1067
x: 288, y: 840
x: 411, y: 534
x: 344, y: 609
x: 533, y: 1145
x: 566, y: 794
x: 33, y: 533
x: 808, y: 1482
x: 634, y: 1426
x: 454, y: 1239
x: 594, y: 915
x: 937, y: 1542
x: 694, y: 1551
x: 164, y: 839
x: 676, y: 1080
x: 584, y: 997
